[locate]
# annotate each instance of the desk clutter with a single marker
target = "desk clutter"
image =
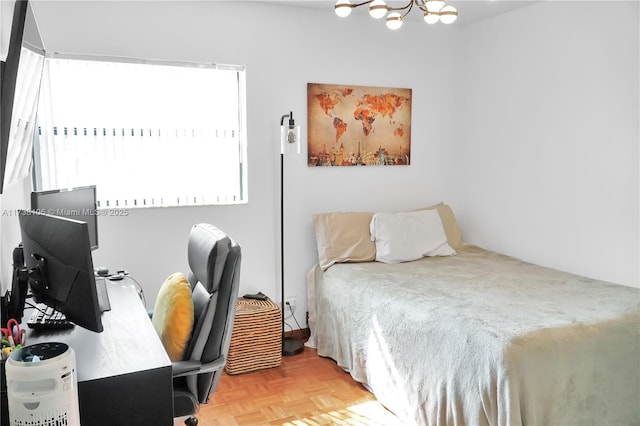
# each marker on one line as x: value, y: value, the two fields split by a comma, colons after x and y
x: 46, y: 318
x: 256, y: 338
x: 13, y: 338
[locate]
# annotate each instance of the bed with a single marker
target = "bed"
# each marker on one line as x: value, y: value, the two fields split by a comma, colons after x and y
x: 475, y: 338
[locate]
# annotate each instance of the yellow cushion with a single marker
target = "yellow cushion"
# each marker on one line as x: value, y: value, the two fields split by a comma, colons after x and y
x: 173, y: 315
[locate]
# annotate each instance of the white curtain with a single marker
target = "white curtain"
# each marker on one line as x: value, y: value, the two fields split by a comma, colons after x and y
x: 23, y: 116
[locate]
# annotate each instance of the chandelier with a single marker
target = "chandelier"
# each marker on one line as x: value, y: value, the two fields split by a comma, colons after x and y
x: 434, y: 11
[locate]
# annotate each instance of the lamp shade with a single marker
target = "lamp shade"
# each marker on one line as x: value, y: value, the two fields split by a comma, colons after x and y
x: 377, y: 9
x: 290, y: 139
x: 434, y: 5
x: 343, y: 8
x: 394, y: 21
x: 448, y: 15
x: 431, y: 17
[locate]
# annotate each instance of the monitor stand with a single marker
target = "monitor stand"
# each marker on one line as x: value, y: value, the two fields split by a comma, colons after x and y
x: 103, y: 297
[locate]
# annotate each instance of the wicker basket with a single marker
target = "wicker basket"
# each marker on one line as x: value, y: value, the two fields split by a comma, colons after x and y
x: 256, y: 338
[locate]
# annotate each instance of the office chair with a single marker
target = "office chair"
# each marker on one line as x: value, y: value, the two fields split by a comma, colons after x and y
x: 214, y: 260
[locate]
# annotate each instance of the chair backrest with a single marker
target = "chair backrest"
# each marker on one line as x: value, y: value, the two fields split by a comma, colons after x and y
x: 214, y: 260
x: 208, y: 249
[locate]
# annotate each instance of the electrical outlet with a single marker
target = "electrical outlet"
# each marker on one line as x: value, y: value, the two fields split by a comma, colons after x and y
x: 291, y: 301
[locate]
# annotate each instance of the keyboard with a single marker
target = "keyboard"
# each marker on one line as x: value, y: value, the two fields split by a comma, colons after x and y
x: 46, y: 318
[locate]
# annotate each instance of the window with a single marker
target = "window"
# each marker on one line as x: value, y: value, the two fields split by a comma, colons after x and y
x: 23, y: 115
x: 146, y: 134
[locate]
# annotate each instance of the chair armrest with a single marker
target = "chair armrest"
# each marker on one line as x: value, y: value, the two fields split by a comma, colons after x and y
x: 185, y: 368
x: 188, y: 368
x: 215, y: 365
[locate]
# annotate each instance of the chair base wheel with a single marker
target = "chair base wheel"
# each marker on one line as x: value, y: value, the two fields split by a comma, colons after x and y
x: 191, y: 421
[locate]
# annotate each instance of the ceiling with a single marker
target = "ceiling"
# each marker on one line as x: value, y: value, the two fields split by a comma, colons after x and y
x: 469, y: 11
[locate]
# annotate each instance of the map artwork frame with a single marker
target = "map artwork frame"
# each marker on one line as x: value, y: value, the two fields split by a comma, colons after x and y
x: 351, y: 125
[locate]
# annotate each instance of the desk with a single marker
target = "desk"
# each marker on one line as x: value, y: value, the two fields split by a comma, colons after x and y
x: 124, y: 373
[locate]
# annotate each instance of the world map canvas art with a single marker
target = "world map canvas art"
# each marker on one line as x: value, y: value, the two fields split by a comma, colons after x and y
x: 358, y: 125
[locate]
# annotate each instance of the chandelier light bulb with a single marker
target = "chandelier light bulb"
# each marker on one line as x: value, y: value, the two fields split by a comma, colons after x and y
x: 434, y: 11
x: 291, y: 136
x: 377, y: 9
x: 448, y: 15
x: 431, y: 17
x: 343, y: 8
x: 434, y: 5
x: 394, y: 21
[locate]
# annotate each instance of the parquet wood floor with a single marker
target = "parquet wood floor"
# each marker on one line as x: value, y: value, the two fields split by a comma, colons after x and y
x: 305, y: 390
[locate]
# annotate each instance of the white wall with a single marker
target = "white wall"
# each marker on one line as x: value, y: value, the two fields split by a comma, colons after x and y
x: 468, y: 143
x: 151, y: 243
x: 15, y: 196
x: 548, y: 153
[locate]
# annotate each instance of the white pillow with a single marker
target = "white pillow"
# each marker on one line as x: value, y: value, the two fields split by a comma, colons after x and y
x: 402, y: 237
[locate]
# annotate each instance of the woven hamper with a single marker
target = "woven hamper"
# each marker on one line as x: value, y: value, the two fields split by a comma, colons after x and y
x: 256, y: 338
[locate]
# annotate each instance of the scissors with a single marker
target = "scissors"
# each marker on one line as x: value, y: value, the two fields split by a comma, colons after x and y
x: 15, y: 335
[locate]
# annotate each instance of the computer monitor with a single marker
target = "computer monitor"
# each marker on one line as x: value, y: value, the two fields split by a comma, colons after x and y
x: 74, y: 203
x: 57, y: 256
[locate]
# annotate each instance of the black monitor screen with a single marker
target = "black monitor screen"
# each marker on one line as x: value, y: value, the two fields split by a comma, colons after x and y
x: 58, y: 257
x: 73, y: 203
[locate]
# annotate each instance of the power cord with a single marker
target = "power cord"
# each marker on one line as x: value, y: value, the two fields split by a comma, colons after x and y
x: 293, y: 312
x: 31, y: 305
x: 120, y: 275
x: 138, y: 288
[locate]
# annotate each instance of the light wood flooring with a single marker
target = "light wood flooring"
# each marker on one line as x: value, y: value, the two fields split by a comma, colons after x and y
x: 305, y: 390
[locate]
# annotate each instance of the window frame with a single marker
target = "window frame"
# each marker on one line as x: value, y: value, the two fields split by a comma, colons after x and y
x: 242, y: 181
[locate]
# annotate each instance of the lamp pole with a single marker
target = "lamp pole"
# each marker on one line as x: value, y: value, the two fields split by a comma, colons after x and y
x: 290, y: 345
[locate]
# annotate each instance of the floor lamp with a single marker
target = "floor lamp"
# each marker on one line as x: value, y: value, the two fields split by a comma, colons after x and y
x: 289, y: 140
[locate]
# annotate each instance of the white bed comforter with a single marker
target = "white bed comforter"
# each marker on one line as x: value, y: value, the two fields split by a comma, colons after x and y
x: 481, y: 338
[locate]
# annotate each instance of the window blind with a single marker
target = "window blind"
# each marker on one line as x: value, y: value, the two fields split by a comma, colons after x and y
x: 146, y: 134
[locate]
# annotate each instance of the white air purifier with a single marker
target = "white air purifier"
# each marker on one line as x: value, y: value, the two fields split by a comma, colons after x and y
x: 42, y: 386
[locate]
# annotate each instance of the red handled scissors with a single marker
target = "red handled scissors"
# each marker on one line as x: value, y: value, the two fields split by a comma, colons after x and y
x: 15, y: 335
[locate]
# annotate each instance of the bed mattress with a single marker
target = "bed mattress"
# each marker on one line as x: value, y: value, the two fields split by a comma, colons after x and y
x: 482, y: 339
